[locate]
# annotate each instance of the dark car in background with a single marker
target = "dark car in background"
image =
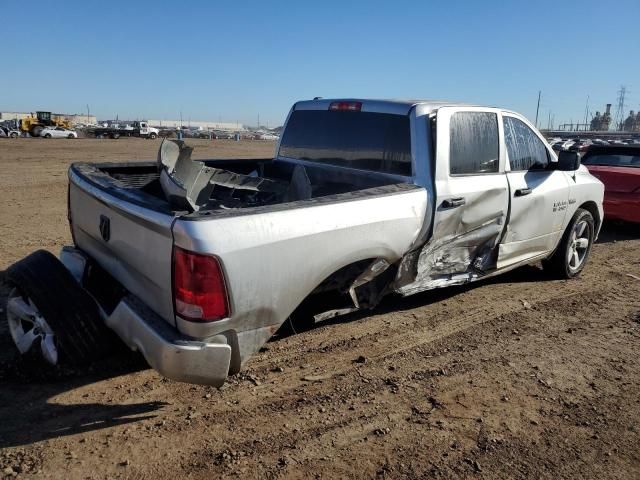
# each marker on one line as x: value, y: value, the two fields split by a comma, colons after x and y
x: 580, y: 145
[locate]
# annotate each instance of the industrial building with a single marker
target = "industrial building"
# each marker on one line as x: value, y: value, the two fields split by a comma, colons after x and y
x: 600, y: 123
x: 632, y: 122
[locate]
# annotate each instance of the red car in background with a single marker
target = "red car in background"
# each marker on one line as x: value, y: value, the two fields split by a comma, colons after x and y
x: 618, y: 167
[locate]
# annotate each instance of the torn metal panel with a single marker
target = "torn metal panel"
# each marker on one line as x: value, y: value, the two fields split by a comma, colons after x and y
x: 371, y: 285
x: 463, y: 245
x: 189, y: 184
x: 453, y: 259
x: 184, y: 182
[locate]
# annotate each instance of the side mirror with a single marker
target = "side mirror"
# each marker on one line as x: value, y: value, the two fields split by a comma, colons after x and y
x: 568, y: 161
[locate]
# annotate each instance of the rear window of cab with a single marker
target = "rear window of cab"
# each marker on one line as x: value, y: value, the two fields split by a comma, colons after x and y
x: 371, y: 141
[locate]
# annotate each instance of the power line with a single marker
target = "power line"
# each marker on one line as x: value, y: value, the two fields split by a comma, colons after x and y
x: 619, y: 118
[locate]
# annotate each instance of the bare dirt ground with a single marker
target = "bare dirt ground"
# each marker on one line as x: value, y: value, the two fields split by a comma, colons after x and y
x: 519, y: 377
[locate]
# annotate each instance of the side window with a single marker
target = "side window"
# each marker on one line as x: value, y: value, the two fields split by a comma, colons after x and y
x: 526, y: 150
x: 474, y: 146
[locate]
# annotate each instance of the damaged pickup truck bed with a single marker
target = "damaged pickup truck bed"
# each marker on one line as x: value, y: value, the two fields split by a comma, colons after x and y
x: 198, y: 264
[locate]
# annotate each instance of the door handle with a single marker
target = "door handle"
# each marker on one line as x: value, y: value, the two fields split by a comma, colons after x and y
x: 521, y: 192
x: 454, y: 202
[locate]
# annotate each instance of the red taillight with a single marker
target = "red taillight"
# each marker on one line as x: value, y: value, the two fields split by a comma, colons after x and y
x: 348, y: 106
x: 199, y: 287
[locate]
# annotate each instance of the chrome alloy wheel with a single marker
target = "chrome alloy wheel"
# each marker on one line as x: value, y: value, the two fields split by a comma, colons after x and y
x: 578, y: 244
x: 28, y: 327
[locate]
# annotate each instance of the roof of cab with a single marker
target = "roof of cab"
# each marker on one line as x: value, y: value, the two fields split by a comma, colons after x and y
x: 396, y: 106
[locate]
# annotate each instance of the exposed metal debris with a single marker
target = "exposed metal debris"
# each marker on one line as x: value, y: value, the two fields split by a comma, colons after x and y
x: 189, y: 183
x: 461, y: 249
x: 368, y: 289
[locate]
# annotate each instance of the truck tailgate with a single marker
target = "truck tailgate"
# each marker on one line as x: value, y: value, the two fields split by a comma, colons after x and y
x: 133, y: 243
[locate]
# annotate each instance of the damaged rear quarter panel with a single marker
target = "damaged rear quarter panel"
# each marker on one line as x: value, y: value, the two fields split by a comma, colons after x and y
x: 274, y: 257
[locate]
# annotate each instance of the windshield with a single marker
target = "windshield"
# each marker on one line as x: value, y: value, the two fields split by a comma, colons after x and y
x: 613, y: 160
x: 364, y: 140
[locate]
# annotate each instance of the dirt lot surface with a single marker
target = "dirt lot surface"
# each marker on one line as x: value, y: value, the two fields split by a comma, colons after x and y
x: 519, y: 377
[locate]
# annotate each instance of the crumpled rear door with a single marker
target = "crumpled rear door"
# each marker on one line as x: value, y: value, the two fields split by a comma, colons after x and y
x: 472, y: 199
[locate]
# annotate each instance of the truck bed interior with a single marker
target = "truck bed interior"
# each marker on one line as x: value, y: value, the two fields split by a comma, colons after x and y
x: 243, y: 183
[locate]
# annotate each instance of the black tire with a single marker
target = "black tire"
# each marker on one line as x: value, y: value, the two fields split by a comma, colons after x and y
x: 115, y: 136
x: 13, y: 135
x: 48, y: 135
x: 558, y: 265
x: 152, y: 136
x: 36, y: 130
x: 70, y: 136
x: 80, y: 334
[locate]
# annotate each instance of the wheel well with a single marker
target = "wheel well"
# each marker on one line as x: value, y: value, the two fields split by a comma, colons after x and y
x: 592, y: 208
x: 343, y: 277
x: 330, y: 294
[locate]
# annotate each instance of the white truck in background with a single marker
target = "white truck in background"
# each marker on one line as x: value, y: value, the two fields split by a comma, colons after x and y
x: 136, y: 129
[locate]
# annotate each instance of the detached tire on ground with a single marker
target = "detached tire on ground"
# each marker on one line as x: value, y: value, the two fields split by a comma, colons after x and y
x: 573, y: 251
x: 48, y: 310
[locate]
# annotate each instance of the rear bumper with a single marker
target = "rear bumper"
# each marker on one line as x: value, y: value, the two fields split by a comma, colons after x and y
x: 624, y: 207
x: 176, y: 357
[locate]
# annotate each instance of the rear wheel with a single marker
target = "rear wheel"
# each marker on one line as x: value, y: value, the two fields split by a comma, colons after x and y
x: 573, y: 251
x: 70, y: 136
x: 49, y: 313
x: 115, y: 136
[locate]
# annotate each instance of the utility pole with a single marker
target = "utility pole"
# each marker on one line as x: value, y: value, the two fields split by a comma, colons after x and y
x: 538, y: 107
x: 549, y: 121
x: 88, y: 114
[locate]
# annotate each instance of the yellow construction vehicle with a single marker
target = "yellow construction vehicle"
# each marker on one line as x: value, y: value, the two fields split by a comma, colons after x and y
x: 34, y: 124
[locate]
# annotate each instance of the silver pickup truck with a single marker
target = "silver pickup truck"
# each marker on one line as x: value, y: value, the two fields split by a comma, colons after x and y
x: 198, y: 264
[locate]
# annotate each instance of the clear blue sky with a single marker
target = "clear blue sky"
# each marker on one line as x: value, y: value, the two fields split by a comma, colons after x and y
x: 234, y: 60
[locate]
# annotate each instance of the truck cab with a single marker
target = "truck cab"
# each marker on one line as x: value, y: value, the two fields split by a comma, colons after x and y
x: 145, y: 130
x: 499, y: 195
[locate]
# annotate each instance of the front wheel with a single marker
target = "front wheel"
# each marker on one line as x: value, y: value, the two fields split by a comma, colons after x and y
x: 14, y: 135
x: 48, y: 135
x: 152, y: 136
x: 573, y: 251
